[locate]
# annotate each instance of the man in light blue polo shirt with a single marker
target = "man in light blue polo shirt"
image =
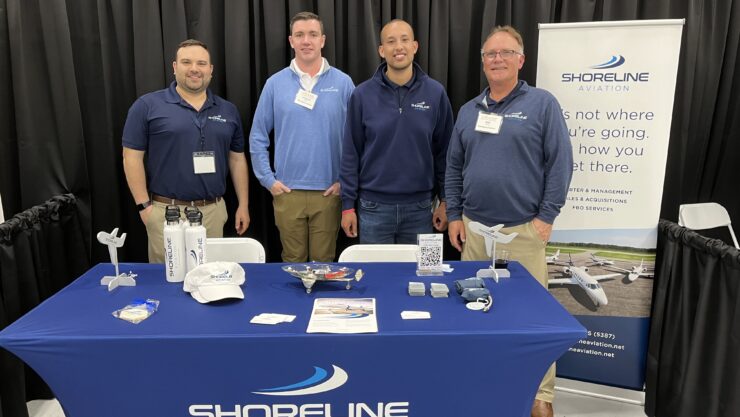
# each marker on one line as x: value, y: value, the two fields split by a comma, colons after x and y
x: 192, y: 139
x: 304, y: 105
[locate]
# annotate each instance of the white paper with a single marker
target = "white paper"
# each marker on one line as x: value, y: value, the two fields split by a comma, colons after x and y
x: 343, y: 315
x: 272, y: 318
x: 415, y: 315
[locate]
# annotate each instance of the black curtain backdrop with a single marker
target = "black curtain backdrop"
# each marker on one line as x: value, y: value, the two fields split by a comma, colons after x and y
x: 693, y: 361
x: 70, y: 69
x: 41, y: 250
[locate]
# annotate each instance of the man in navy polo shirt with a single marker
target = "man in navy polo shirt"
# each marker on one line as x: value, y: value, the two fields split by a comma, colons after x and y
x: 192, y: 139
x: 394, y: 146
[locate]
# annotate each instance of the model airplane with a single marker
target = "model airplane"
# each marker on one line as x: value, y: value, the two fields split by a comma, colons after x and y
x: 492, y: 235
x: 595, y: 260
x: 636, y: 271
x: 113, y: 241
x: 555, y: 257
x: 309, y: 274
x: 590, y: 283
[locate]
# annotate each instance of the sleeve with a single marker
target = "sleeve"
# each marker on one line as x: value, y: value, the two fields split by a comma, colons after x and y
x: 237, y: 140
x: 453, y: 174
x: 558, y: 153
x: 353, y: 142
x: 136, y: 128
x: 259, y: 137
x: 440, y: 143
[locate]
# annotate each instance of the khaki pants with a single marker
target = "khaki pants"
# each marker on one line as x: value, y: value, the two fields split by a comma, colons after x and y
x: 214, y: 218
x: 527, y: 249
x: 308, y: 223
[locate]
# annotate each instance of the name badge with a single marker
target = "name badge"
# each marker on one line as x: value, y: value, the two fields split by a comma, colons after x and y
x: 305, y: 99
x: 204, y: 162
x: 488, y: 123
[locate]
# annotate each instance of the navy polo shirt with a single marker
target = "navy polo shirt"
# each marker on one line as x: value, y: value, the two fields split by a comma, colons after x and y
x: 169, y: 130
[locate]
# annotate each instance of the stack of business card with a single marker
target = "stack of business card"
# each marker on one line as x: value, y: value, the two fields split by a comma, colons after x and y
x: 272, y: 318
x: 417, y: 289
x: 439, y: 290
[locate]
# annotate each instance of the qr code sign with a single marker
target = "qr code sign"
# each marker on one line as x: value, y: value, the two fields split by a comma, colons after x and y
x: 430, y: 251
x: 430, y: 256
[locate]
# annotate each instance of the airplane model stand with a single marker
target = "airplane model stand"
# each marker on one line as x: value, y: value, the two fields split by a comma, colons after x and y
x: 491, y: 236
x: 113, y: 242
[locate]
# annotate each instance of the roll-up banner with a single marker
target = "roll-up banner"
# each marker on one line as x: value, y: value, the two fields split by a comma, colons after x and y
x: 616, y: 83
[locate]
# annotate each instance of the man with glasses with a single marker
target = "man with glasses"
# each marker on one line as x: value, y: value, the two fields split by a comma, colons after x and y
x: 395, y: 141
x: 304, y: 105
x: 510, y: 161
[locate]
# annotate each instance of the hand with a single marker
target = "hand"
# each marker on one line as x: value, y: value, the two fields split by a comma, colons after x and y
x: 456, y: 232
x: 349, y: 223
x: 439, y: 218
x: 241, y: 222
x: 144, y: 214
x: 332, y: 190
x: 544, y: 230
x: 279, y: 188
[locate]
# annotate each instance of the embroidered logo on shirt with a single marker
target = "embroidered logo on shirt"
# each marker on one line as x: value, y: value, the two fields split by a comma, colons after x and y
x: 517, y: 115
x: 422, y: 105
x: 331, y: 89
x: 217, y: 118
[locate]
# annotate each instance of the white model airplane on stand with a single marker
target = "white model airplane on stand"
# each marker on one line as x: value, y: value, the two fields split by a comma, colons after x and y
x: 595, y: 260
x: 491, y: 235
x: 636, y: 271
x: 590, y: 283
x: 114, y: 242
x: 555, y: 257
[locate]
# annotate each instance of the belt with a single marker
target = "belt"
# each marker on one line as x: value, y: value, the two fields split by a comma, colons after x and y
x: 194, y: 203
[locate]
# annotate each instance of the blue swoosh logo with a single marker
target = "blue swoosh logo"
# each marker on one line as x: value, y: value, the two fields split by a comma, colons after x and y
x: 305, y: 387
x: 613, y: 62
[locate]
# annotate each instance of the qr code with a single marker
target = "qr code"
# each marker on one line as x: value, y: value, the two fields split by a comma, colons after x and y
x: 430, y: 256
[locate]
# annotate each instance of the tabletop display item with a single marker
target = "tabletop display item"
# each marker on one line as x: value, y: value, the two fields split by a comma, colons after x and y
x: 309, y: 274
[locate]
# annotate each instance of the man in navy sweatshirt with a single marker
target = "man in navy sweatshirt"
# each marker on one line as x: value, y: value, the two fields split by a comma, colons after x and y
x: 510, y: 161
x: 305, y: 105
x: 394, y: 146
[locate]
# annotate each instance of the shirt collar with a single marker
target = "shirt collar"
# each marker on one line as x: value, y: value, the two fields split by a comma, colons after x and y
x: 301, y: 74
x: 172, y: 96
x: 393, y: 85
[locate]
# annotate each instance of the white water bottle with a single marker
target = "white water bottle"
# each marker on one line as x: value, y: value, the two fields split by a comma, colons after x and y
x: 174, y: 246
x: 195, y: 240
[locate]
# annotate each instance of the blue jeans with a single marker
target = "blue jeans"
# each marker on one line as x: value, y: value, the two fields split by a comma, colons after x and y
x: 393, y: 223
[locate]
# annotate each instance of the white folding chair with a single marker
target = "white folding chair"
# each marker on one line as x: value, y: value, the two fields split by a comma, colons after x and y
x: 379, y: 253
x: 703, y: 216
x: 234, y: 249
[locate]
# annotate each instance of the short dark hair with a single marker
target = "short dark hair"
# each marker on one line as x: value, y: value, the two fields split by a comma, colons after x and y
x: 413, y: 36
x: 306, y: 16
x: 511, y: 31
x: 192, y: 42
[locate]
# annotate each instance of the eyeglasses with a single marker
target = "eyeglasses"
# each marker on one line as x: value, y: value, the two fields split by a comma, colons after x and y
x: 504, y: 54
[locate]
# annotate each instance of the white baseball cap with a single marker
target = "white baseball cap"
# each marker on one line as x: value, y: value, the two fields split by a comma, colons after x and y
x: 215, y: 281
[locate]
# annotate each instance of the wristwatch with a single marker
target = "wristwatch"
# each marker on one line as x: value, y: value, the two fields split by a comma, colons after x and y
x: 144, y: 205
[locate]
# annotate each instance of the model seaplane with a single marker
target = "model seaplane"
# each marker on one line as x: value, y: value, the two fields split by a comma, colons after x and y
x: 590, y: 283
x: 309, y: 274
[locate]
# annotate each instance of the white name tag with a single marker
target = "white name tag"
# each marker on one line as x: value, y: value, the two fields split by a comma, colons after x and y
x: 488, y: 123
x: 204, y: 162
x: 306, y: 99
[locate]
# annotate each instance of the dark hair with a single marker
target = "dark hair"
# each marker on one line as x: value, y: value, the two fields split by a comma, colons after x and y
x: 192, y: 42
x: 306, y: 16
x: 511, y: 31
x: 396, y: 21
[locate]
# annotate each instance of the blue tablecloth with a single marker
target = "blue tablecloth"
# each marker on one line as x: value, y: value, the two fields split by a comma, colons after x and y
x: 208, y: 360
